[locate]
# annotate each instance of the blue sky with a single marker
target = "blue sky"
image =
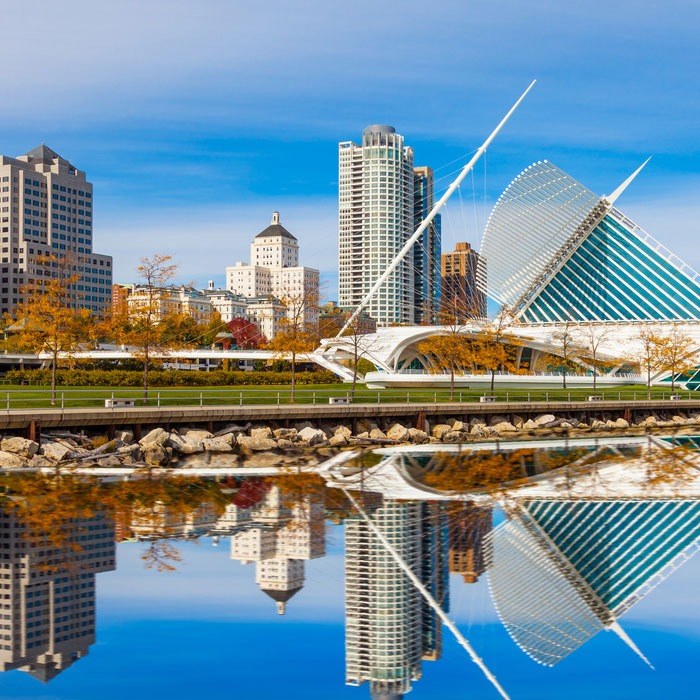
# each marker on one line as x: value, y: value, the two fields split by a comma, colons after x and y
x: 196, y: 120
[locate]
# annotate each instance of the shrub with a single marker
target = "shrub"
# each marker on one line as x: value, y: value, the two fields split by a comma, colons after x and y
x: 163, y: 378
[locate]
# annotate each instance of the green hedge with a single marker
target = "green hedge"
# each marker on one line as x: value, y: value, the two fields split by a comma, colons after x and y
x: 174, y: 377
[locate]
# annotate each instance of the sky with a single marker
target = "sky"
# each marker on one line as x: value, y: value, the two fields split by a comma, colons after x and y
x: 195, y: 121
x: 207, y: 630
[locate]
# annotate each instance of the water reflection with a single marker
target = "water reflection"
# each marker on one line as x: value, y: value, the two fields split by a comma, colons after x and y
x: 48, y: 592
x: 584, y: 533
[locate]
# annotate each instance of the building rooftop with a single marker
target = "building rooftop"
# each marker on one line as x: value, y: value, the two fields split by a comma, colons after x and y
x: 276, y: 229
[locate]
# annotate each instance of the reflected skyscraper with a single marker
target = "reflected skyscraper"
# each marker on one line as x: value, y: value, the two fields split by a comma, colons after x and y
x: 468, y: 528
x: 562, y: 570
x: 47, y: 604
x: 389, y: 629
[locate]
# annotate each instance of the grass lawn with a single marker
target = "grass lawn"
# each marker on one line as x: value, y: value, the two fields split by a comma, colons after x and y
x: 17, y: 397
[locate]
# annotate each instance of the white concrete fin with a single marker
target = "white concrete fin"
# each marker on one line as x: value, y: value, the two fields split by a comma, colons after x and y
x: 611, y: 198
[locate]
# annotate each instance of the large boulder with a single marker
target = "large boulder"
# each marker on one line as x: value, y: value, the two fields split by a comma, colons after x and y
x: 255, y: 444
x: 55, y: 451
x: 19, y: 446
x: 156, y: 455
x: 455, y: 436
x: 440, y: 429
x: 155, y: 438
x: 109, y: 461
x: 398, y: 432
x: 216, y: 444
x: 338, y: 440
x: 264, y: 432
x: 365, y: 425
x: 529, y: 425
x: 312, y: 436
x: 504, y: 427
x: 377, y: 434
x: 342, y: 430
x: 10, y: 460
x: 545, y: 420
x: 286, y: 433
x: 195, y: 434
x: 418, y: 436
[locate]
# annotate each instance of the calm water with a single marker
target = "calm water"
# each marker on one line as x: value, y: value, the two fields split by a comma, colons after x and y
x: 251, y: 587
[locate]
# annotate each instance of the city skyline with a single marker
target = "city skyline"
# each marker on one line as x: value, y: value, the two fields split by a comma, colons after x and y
x: 196, y: 127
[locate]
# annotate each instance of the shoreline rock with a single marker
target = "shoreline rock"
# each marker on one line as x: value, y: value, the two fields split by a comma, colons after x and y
x: 258, y: 444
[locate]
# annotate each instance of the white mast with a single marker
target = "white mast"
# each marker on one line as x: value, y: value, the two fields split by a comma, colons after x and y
x: 433, y: 212
x: 426, y: 594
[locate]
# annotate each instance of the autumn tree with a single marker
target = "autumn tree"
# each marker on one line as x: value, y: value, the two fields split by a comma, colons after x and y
x: 298, y: 334
x: 590, y: 338
x: 494, y: 350
x: 143, y: 327
x: 567, y: 346
x: 47, y: 319
x: 355, y: 338
x: 246, y: 334
x: 649, y: 355
x: 676, y: 353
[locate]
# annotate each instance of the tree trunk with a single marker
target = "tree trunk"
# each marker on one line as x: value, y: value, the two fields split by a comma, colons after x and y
x: 146, y: 358
x: 648, y: 383
x: 493, y: 379
x: 452, y: 384
x: 291, y: 396
x: 563, y: 383
x: 54, y: 359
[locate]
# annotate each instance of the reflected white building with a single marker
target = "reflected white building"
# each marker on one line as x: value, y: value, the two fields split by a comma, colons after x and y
x: 279, y: 537
x: 389, y: 629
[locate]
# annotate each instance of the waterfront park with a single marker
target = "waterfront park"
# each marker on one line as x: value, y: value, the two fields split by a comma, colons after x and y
x: 552, y: 451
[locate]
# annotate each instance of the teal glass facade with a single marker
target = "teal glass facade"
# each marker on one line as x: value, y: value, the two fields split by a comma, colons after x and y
x: 613, y: 275
x: 618, y: 546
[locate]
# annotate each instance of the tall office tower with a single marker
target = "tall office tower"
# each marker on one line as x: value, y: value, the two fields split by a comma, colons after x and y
x: 461, y: 299
x: 48, y: 601
x: 468, y: 528
x: 387, y: 631
x: 426, y: 252
x: 46, y: 209
x: 375, y: 219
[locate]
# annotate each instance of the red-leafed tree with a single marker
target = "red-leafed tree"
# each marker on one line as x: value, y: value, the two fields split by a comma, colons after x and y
x: 246, y: 335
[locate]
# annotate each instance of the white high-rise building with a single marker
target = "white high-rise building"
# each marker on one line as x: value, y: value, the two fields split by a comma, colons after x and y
x: 274, y: 271
x: 46, y: 210
x: 381, y: 200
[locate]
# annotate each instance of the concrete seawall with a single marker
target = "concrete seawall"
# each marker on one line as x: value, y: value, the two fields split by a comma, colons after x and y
x: 410, y: 413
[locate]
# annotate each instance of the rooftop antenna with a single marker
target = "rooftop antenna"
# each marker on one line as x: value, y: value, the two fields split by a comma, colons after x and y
x: 433, y: 213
